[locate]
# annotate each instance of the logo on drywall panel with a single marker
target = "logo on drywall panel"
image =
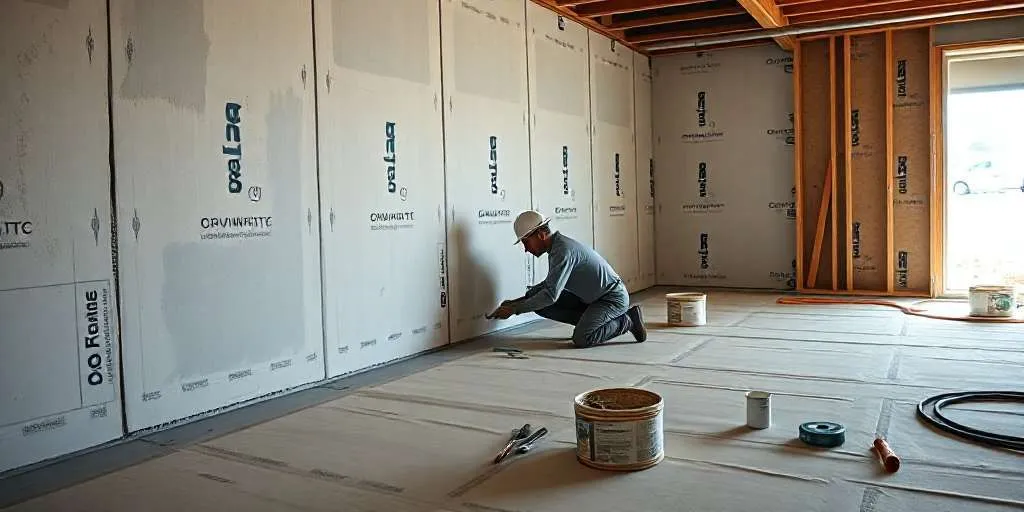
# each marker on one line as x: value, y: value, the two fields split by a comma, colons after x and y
x: 706, y: 130
x: 784, y: 208
x: 387, y: 219
x: 566, y: 190
x: 442, y: 265
x: 855, y: 127
x: 705, y: 202
x: 856, y: 239
x: 787, y: 277
x: 618, y: 177
x: 232, y: 147
x: 492, y: 167
x: 15, y: 233
x: 704, y: 252
x: 901, y: 174
x: 704, y: 261
x: 783, y: 63
x: 902, y: 269
x: 700, y: 63
x: 901, y: 78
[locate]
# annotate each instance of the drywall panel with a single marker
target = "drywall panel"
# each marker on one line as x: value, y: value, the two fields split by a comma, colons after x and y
x: 912, y: 168
x: 615, y: 199
x: 217, y: 200
x: 868, y: 161
x: 815, y: 141
x: 726, y: 186
x: 58, y: 320
x: 559, y: 77
x: 981, y: 30
x: 487, y: 159
x: 381, y: 180
x: 642, y: 80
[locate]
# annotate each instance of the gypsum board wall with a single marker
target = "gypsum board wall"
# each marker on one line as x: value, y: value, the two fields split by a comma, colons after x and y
x: 867, y: 161
x: 912, y: 153
x: 381, y: 181
x: 59, y: 377
x: 560, y: 149
x: 487, y: 159
x: 642, y: 83
x: 614, y: 156
x: 216, y: 191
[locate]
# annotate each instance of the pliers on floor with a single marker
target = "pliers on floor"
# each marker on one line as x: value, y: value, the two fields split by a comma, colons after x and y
x: 521, y: 441
x: 512, y: 352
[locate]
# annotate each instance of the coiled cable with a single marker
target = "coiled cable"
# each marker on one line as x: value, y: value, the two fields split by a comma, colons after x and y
x: 930, y: 410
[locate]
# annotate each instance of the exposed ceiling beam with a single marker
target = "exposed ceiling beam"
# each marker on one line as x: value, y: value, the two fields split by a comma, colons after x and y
x: 769, y: 16
x: 841, y: 5
x: 737, y: 44
x: 587, y: 22
x: 677, y: 18
x: 643, y: 39
x: 896, y: 8
x: 610, y: 7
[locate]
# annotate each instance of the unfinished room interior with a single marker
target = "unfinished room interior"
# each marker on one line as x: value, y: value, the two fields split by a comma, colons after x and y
x: 512, y: 255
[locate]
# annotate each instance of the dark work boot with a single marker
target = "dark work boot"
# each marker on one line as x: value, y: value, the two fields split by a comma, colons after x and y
x: 636, y: 317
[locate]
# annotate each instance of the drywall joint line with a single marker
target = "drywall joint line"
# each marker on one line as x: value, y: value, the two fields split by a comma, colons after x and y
x: 691, y: 350
x: 894, y: 366
x: 869, y: 503
x: 319, y: 187
x: 884, y: 418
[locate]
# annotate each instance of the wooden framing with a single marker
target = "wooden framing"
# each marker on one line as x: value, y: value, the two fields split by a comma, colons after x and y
x: 890, y: 156
x: 798, y: 157
x: 833, y: 145
x: 848, y: 168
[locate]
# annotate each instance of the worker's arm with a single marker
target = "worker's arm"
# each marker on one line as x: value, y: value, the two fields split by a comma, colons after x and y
x: 547, y: 292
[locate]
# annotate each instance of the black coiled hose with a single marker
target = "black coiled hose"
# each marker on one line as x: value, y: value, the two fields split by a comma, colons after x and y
x: 930, y: 410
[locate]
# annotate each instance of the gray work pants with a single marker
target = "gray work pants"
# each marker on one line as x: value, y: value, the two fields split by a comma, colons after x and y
x: 594, y: 323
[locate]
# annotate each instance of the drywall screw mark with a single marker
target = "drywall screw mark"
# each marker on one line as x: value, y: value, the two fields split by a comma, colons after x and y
x: 90, y: 44
x: 328, y: 81
x: 435, y: 101
x: 136, y: 224
x: 332, y: 220
x: 129, y: 49
x: 303, y: 76
x: 309, y: 220
x: 95, y: 225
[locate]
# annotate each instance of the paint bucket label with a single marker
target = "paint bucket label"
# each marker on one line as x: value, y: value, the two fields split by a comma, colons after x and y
x: 620, y: 443
x: 686, y: 313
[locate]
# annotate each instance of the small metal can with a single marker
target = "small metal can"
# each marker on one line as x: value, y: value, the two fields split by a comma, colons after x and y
x: 759, y: 409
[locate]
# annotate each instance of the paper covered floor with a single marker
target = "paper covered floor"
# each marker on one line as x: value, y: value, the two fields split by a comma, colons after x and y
x: 425, y: 442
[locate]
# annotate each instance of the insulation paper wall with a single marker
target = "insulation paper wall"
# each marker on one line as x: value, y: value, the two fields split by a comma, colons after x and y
x: 58, y: 316
x: 614, y: 158
x: 217, y: 201
x: 560, y: 131
x: 724, y: 140
x: 487, y: 158
x: 645, y: 188
x: 381, y: 180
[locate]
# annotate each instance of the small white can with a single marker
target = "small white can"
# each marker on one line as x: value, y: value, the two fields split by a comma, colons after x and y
x: 759, y: 409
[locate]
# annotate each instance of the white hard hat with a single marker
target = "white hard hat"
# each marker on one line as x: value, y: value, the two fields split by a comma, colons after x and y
x: 528, y: 222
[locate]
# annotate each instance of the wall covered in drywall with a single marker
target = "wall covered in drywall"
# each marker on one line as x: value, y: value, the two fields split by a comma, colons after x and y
x: 723, y: 152
x: 59, y: 382
x: 289, y: 206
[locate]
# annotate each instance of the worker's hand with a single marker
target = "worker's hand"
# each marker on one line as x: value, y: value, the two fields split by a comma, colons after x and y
x: 504, y: 311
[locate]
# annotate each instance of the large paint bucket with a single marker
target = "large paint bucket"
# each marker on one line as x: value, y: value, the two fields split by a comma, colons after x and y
x: 993, y: 301
x: 687, y: 309
x: 620, y: 429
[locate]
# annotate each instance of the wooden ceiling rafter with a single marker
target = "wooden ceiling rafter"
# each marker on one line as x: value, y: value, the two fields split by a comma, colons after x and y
x: 646, y: 25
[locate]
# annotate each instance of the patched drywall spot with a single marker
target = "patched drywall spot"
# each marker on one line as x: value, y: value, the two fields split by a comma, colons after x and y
x: 60, y: 4
x: 167, y: 49
x: 398, y: 30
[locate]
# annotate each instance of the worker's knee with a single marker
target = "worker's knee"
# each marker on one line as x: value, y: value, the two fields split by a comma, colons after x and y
x: 583, y: 339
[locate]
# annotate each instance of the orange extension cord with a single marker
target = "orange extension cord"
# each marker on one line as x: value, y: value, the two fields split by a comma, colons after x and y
x: 909, y: 310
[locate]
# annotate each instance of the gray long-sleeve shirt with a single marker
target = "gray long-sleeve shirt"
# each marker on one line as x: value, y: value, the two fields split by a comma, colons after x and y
x: 572, y: 267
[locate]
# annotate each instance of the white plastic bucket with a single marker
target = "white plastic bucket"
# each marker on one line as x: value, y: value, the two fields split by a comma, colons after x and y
x: 686, y: 309
x: 993, y: 301
x: 759, y: 409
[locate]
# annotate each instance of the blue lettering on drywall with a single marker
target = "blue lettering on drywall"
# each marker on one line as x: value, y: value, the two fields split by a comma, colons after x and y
x: 855, y: 127
x: 92, y: 336
x: 702, y: 179
x: 233, y: 134
x: 702, y: 109
x: 618, y: 181
x: 856, y: 239
x: 492, y: 164
x: 902, y: 269
x: 565, y: 170
x: 652, y: 176
x: 901, y: 78
x: 901, y: 174
x: 704, y: 252
x: 390, y: 155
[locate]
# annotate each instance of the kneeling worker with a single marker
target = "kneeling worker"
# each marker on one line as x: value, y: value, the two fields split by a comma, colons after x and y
x: 581, y: 288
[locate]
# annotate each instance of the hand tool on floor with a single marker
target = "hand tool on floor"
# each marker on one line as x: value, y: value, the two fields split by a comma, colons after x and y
x: 886, y: 456
x: 512, y: 352
x: 519, y: 435
x: 823, y: 434
x: 528, y: 443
